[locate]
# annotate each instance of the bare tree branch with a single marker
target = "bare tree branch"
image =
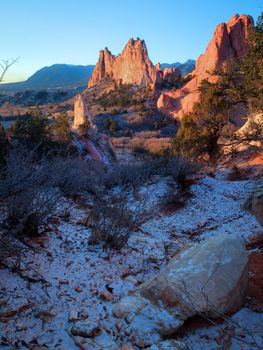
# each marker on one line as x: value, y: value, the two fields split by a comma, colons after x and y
x: 5, y: 65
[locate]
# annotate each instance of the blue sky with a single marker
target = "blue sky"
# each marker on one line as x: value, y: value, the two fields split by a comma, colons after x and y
x: 44, y: 32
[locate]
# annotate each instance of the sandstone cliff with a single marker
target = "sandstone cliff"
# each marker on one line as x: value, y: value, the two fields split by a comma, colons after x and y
x: 229, y: 40
x: 132, y: 66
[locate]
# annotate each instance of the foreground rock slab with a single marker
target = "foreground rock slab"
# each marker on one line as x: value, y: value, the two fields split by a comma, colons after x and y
x: 209, y: 278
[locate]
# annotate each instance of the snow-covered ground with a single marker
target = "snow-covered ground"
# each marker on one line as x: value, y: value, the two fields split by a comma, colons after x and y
x: 68, y: 280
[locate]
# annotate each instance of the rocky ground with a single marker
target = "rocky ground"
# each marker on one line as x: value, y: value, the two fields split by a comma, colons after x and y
x: 62, y: 295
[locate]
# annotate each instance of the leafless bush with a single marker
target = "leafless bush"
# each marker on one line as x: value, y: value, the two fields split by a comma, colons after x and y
x: 158, y: 146
x: 112, y: 220
x: 180, y: 168
x: 135, y: 174
x: 27, y: 200
x: 31, y: 189
x: 153, y: 145
x: 148, y: 134
x: 28, y: 213
x: 10, y: 247
x: 237, y: 174
x: 22, y: 172
x: 176, y: 200
x: 74, y: 175
x: 131, y: 175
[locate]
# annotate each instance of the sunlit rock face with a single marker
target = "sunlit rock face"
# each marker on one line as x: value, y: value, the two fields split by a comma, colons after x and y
x: 81, y: 113
x: 132, y: 66
x: 229, y: 40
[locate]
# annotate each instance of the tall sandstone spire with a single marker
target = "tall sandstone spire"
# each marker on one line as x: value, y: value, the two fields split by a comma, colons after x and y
x: 132, y: 66
x: 229, y: 40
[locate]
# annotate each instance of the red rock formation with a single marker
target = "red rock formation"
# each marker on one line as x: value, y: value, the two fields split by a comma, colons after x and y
x: 132, y: 66
x: 103, y: 68
x: 170, y: 75
x: 229, y: 40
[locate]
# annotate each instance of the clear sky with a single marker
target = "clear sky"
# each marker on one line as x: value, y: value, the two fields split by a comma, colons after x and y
x: 44, y: 32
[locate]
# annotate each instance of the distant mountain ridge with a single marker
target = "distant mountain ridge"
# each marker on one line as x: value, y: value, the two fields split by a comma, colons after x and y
x: 57, y: 76
x: 184, y: 68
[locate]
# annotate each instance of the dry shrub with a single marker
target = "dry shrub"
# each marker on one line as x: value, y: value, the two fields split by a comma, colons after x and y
x: 148, y: 134
x: 136, y: 142
x: 153, y: 145
x: 23, y: 171
x: 135, y: 174
x: 75, y: 175
x: 27, y: 213
x: 131, y: 175
x: 119, y: 142
x: 158, y: 146
x: 10, y: 247
x: 177, y: 200
x: 30, y: 193
x: 237, y: 174
x: 180, y: 169
x: 112, y: 220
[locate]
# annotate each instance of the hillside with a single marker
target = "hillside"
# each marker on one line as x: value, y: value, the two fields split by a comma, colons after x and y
x: 55, y: 76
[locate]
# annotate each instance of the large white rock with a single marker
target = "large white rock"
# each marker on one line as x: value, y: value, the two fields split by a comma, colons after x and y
x: 81, y: 113
x: 210, y: 277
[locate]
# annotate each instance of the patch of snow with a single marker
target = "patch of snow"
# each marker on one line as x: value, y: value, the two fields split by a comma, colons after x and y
x: 77, y: 273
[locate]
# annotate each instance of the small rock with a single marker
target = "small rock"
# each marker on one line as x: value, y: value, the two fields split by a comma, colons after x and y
x: 106, y: 295
x: 126, y: 273
x: 132, y: 280
x: 127, y: 305
x: 104, y: 255
x: 201, y: 224
x: 45, y: 315
x: 86, y: 329
x: 73, y: 315
x: 63, y: 281
x: 169, y: 345
x: 83, y: 315
x: 153, y: 259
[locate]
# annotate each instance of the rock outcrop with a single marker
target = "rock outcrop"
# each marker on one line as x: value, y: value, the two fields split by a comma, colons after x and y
x: 253, y: 126
x: 210, y: 277
x: 132, y: 66
x: 254, y: 203
x: 229, y: 40
x: 81, y: 113
x: 170, y: 76
x: 90, y: 143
